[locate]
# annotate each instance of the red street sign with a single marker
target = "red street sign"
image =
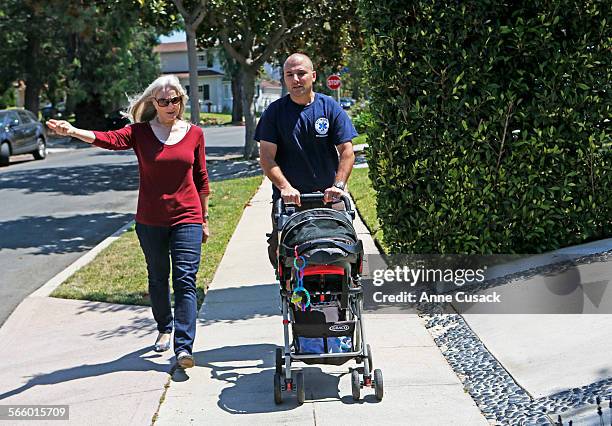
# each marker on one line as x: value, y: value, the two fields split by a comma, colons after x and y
x: 334, y: 82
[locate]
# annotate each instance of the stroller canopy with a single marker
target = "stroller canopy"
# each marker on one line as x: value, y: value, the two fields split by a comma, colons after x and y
x: 316, y: 230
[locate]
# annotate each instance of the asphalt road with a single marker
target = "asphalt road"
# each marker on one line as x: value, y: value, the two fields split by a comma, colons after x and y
x: 53, y: 211
x: 224, y: 136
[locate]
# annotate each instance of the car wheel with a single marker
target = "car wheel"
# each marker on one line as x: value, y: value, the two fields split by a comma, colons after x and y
x: 5, y: 153
x: 41, y: 149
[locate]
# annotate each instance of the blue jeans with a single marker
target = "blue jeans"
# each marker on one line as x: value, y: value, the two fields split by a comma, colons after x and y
x: 182, y: 244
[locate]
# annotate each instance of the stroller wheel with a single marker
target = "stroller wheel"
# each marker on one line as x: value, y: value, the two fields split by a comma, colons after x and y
x: 278, y: 392
x: 370, y: 363
x: 279, y: 361
x: 378, y: 384
x: 355, y: 385
x: 299, y: 387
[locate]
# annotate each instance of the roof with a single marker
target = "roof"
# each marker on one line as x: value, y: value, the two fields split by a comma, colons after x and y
x: 178, y: 46
x: 269, y: 84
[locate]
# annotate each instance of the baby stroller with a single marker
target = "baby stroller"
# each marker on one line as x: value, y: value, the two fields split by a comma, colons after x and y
x: 319, y: 263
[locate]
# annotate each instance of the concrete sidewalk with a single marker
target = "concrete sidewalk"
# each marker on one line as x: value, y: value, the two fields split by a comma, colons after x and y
x: 94, y: 357
x: 240, y: 327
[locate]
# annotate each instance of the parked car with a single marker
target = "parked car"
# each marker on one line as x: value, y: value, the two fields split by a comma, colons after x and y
x: 347, y: 103
x: 21, y: 133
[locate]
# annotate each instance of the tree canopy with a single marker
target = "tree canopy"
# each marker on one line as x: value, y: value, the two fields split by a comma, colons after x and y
x: 254, y: 32
x: 93, y: 51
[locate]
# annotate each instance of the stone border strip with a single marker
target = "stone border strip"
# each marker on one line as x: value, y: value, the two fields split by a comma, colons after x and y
x: 494, y: 390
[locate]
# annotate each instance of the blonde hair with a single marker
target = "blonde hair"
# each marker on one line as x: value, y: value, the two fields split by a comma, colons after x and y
x: 141, y: 107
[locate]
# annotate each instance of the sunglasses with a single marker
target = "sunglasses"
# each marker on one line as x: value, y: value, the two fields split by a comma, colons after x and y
x: 163, y: 102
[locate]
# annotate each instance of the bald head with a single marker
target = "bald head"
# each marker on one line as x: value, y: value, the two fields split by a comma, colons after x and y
x: 299, y: 76
x: 298, y: 59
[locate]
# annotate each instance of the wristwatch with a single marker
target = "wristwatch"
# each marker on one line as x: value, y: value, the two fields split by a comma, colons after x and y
x: 340, y: 185
x: 206, y: 216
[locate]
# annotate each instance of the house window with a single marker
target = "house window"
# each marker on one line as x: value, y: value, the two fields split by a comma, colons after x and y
x: 206, y: 96
x: 187, y: 89
x: 209, y: 62
x: 202, y: 58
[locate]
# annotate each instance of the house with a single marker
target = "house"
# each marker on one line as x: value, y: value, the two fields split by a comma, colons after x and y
x: 266, y: 92
x: 214, y: 87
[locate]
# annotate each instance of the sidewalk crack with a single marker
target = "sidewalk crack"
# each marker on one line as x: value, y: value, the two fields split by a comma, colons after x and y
x: 314, y: 415
x: 162, y: 398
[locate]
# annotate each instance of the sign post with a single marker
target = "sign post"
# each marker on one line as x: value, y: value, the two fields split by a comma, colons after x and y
x: 333, y: 83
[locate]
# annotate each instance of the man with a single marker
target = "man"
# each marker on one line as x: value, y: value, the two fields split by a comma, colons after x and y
x: 305, y: 142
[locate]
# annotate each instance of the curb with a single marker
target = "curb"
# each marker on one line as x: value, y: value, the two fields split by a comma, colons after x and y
x: 57, y: 150
x: 53, y: 283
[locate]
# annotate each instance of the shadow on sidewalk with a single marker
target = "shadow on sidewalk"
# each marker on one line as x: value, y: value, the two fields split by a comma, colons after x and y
x: 134, y: 361
x: 228, y: 305
x: 137, y: 325
x: 248, y: 389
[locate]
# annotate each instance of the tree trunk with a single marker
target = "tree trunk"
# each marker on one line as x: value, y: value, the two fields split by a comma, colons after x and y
x: 32, y: 94
x: 33, y: 81
x: 248, y: 92
x: 194, y: 95
x: 237, y: 99
x: 282, y: 82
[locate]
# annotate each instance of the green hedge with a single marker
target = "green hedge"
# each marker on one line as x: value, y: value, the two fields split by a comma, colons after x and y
x: 490, y: 130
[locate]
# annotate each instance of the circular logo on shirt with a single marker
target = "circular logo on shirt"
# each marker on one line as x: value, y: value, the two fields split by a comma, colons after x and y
x: 322, y: 126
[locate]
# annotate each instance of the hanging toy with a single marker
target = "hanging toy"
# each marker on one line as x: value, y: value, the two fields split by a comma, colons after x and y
x: 300, y: 297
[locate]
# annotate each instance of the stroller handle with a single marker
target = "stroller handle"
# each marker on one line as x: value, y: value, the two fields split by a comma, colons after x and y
x: 279, y: 207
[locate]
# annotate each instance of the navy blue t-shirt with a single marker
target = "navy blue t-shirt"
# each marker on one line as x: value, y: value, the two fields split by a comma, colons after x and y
x: 306, y: 137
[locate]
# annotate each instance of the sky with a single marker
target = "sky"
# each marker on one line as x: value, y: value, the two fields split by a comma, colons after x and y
x: 175, y: 36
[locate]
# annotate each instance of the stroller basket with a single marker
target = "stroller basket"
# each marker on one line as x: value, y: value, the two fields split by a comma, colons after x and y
x: 322, y: 330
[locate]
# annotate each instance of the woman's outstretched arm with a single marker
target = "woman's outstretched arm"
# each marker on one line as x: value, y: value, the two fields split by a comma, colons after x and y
x: 113, y: 139
x: 64, y: 128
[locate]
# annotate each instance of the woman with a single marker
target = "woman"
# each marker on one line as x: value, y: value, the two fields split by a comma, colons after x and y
x: 172, y: 215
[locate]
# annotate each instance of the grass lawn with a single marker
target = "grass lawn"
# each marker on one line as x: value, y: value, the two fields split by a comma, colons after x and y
x: 118, y: 274
x: 215, y: 119
x: 363, y: 138
x: 362, y: 192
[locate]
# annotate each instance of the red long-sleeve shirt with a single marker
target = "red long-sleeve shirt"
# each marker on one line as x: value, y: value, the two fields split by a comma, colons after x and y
x: 172, y: 177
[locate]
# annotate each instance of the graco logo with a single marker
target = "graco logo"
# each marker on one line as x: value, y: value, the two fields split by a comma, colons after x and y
x: 322, y: 126
x: 338, y: 328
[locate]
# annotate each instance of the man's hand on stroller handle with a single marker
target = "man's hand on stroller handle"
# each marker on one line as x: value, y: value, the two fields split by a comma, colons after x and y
x: 290, y: 195
x: 333, y: 194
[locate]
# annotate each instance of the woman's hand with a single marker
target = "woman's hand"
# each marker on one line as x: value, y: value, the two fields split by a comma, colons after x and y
x: 205, y: 232
x: 61, y: 127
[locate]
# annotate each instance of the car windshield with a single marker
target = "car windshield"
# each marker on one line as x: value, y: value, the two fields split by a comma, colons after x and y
x: 3, y: 115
